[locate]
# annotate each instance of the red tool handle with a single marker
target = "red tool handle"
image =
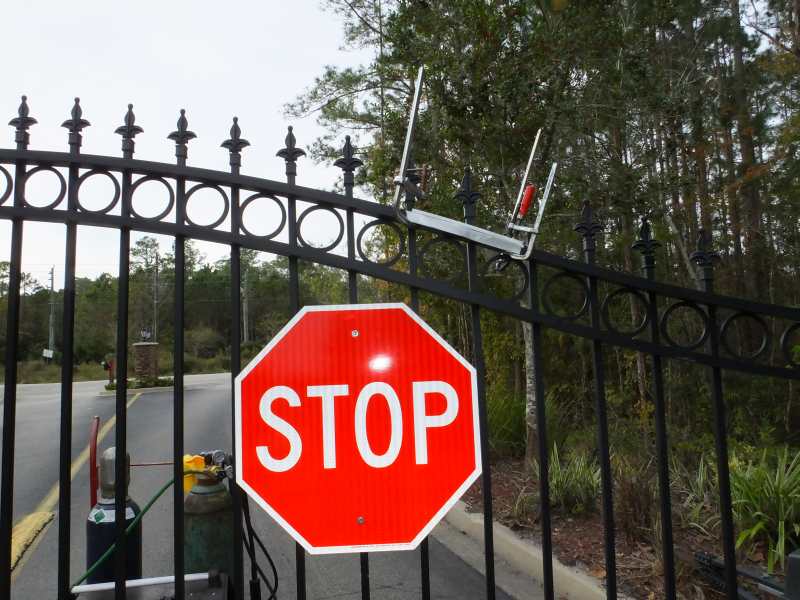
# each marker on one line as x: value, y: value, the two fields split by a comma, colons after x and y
x: 95, y: 426
x: 527, y: 198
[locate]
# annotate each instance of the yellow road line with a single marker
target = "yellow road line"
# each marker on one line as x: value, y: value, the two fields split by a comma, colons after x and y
x: 25, y: 532
x: 31, y: 526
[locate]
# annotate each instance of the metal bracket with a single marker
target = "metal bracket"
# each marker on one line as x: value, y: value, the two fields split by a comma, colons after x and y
x: 406, y: 187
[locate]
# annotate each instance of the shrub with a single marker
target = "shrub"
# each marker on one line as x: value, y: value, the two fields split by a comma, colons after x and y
x: 766, y: 503
x: 697, y: 495
x: 574, y: 482
x: 506, y: 414
x: 635, y: 497
x: 204, y: 342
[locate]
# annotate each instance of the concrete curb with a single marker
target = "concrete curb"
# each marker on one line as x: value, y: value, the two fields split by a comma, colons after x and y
x: 130, y: 392
x: 191, y: 386
x: 526, y: 557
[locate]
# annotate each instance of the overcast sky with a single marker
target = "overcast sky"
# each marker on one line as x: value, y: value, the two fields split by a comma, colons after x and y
x: 216, y: 59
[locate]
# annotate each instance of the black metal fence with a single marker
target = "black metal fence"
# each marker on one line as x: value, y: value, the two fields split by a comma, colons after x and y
x: 531, y: 303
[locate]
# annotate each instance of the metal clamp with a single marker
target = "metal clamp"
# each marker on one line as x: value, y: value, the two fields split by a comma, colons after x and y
x: 406, y: 188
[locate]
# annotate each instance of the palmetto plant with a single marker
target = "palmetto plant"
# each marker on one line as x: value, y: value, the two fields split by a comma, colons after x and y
x: 697, y: 498
x: 574, y: 482
x: 766, y: 503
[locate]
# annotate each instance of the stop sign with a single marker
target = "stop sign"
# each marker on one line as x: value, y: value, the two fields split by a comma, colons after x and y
x: 357, y: 428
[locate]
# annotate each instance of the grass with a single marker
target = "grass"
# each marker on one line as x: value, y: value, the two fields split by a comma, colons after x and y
x: 36, y: 371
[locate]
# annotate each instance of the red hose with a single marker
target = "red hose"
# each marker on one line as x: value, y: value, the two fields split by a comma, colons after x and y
x: 527, y: 198
x: 93, y: 429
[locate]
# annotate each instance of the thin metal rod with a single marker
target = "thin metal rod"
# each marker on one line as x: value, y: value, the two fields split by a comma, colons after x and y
x: 67, y: 360
x: 352, y: 275
x: 300, y: 570
x: 723, y: 471
x: 294, y: 306
x: 425, y: 569
x: 10, y: 399
x: 524, y: 179
x: 480, y: 368
x: 364, y: 560
x: 352, y: 297
x: 662, y: 449
x: 606, y: 478
x: 137, y: 583
x: 178, y: 394
x: 236, y: 367
x: 541, y: 433
x: 412, y: 120
x: 121, y: 428
x: 424, y: 548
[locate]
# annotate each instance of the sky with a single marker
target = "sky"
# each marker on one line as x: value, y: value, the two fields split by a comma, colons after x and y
x: 215, y: 59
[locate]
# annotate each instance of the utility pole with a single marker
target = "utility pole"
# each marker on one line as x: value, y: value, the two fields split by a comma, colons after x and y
x: 155, y: 299
x: 51, y: 342
x: 245, y: 316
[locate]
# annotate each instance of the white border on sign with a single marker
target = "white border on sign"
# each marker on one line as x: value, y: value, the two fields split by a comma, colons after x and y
x: 367, y: 547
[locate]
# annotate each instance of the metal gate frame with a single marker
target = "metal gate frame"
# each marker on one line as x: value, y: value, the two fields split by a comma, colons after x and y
x: 592, y: 322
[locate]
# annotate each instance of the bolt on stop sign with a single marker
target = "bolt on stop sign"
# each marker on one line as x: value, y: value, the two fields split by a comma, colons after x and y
x: 357, y: 428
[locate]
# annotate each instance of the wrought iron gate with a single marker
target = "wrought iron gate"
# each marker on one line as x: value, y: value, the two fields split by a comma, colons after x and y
x: 530, y: 303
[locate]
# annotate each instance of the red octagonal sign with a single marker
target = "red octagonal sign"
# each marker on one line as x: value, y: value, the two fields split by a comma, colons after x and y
x: 357, y: 428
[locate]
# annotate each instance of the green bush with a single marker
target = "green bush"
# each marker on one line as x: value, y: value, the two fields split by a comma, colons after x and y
x: 204, y: 342
x: 574, y: 482
x: 635, y: 497
x: 506, y: 414
x: 766, y: 503
x: 697, y: 495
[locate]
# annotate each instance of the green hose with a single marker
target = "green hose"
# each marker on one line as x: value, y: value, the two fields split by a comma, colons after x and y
x: 130, y: 528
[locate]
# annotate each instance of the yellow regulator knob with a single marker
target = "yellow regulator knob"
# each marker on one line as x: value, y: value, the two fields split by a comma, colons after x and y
x: 191, y: 462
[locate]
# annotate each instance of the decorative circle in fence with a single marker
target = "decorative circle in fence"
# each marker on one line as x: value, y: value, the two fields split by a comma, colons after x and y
x: 434, y: 249
x: 225, y: 208
x: 549, y: 289
x: 312, y: 210
x: 399, y: 242
x: 636, y: 296
x: 106, y: 208
x: 62, y: 190
x: 791, y: 349
x: 672, y: 313
x: 497, y: 271
x: 9, y: 185
x: 166, y: 210
x: 741, y: 319
x: 249, y: 203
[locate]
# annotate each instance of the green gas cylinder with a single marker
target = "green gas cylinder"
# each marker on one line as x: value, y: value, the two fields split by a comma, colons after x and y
x: 208, y: 527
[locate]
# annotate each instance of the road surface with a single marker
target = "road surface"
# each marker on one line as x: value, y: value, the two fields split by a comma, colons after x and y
x: 394, y: 576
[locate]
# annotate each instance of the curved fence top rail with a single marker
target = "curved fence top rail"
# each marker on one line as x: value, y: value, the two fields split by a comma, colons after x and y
x: 766, y: 335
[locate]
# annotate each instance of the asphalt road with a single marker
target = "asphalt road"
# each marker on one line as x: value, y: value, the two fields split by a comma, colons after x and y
x: 394, y: 575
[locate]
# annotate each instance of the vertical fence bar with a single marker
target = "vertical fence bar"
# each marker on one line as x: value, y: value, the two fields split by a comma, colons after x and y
x: 235, y: 144
x: 22, y: 124
x: 541, y: 433
x: 588, y: 228
x: 704, y: 258
x: 178, y: 399
x: 290, y: 153
x: 181, y: 136
x: 424, y: 548
x: 469, y: 197
x: 128, y: 131
x: 348, y: 164
x: 75, y: 125
x: 647, y: 246
x: 120, y: 432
